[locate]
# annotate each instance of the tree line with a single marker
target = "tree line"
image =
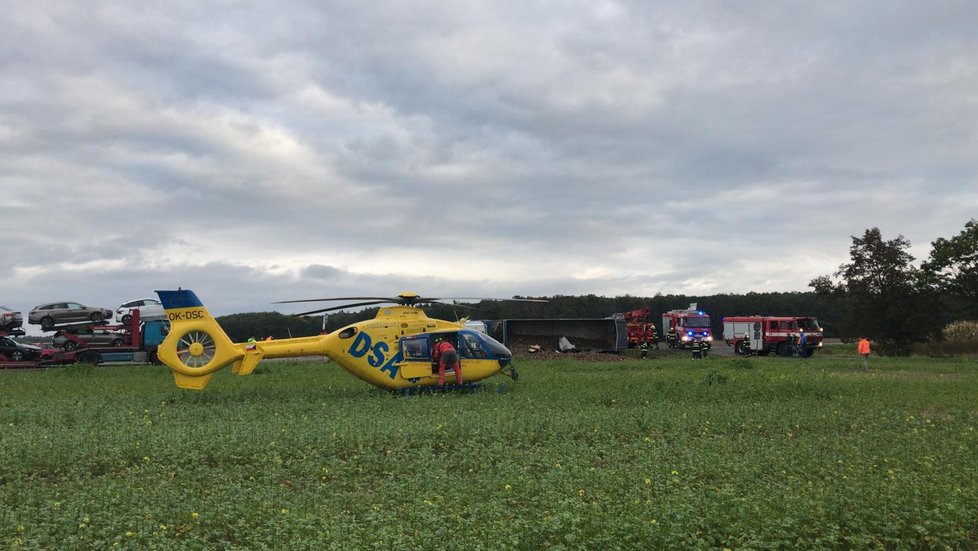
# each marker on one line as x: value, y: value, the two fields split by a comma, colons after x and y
x: 879, y: 293
x: 882, y: 294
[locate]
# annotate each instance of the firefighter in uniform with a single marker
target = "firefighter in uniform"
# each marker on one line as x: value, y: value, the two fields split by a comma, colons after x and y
x: 697, y: 349
x: 671, y: 337
x: 705, y: 348
x: 655, y: 337
x: 747, y: 350
x: 645, y: 350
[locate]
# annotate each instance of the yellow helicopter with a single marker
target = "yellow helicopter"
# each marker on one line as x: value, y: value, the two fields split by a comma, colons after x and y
x: 391, y: 351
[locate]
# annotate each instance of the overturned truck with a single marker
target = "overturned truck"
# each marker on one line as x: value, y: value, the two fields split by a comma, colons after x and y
x: 601, y: 334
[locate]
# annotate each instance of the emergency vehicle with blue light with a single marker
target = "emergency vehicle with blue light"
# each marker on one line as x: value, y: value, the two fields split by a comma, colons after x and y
x: 690, y: 325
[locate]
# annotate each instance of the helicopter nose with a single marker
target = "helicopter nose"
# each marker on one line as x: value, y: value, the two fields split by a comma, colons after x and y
x: 507, y: 355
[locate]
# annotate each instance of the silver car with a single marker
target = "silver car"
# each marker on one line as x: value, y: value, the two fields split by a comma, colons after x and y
x: 10, y: 319
x: 53, y: 313
x: 149, y: 309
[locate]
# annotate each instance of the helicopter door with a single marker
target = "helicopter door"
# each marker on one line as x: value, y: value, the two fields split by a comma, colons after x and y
x: 416, y: 353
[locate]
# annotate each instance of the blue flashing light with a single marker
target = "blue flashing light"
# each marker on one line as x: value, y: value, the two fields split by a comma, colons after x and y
x: 690, y: 333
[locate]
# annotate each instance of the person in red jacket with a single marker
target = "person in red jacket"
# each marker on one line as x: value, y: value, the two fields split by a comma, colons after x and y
x: 863, y: 349
x: 444, y: 355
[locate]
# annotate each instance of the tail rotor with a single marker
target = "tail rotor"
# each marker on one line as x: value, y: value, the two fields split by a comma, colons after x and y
x: 196, y: 346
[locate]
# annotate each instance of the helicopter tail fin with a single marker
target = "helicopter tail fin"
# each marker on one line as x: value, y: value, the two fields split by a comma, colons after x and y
x: 196, y: 346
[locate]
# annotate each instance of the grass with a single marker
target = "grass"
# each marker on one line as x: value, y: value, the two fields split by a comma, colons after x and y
x: 731, y: 453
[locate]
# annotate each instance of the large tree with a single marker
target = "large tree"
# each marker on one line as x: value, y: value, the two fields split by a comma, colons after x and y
x: 953, y: 270
x: 883, y: 294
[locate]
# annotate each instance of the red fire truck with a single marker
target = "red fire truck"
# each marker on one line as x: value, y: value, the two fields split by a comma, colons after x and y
x: 782, y: 335
x: 640, y: 328
x: 690, y: 325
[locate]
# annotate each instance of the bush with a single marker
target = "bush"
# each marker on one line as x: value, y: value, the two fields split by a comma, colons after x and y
x: 961, y: 332
x: 893, y: 348
x: 958, y: 338
x: 939, y: 349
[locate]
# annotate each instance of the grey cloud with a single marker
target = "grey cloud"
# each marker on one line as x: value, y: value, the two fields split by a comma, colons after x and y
x: 624, y: 136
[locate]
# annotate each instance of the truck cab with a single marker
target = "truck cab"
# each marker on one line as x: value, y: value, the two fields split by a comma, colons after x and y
x: 690, y: 325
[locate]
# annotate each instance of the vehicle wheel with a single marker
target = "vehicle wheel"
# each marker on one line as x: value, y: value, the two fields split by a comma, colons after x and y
x: 97, y: 317
x: 741, y: 348
x: 16, y: 356
x: 68, y: 346
x: 126, y: 319
x: 47, y: 323
x: 117, y: 342
x: 90, y: 357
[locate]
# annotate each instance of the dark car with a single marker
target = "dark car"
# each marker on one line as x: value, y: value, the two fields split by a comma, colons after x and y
x: 50, y: 314
x: 16, y: 351
x: 10, y: 319
x: 98, y: 337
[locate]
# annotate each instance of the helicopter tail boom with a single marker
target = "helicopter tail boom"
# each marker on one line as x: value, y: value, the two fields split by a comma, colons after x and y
x: 196, y: 346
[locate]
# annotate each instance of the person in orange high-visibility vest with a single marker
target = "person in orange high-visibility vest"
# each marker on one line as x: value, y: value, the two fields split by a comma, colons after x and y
x: 445, y: 355
x: 863, y: 349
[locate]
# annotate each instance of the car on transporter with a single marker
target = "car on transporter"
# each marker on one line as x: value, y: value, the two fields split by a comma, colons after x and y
x: 96, y: 337
x: 149, y: 309
x: 10, y: 319
x: 49, y: 314
x: 18, y: 351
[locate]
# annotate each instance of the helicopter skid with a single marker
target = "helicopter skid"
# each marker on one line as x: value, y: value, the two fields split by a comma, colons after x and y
x: 464, y: 387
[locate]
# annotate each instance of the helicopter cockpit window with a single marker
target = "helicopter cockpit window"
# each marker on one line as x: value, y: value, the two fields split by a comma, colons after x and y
x: 415, y: 349
x: 470, y: 346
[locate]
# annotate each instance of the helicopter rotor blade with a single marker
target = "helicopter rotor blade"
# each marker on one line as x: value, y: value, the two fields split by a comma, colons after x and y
x: 490, y: 298
x: 386, y: 299
x: 344, y: 306
x: 407, y: 298
x: 457, y: 305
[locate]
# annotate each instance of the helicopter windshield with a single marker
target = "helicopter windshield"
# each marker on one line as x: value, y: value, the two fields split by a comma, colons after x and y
x: 473, y: 344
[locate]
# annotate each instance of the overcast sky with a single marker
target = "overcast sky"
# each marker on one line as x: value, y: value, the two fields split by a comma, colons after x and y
x: 257, y: 151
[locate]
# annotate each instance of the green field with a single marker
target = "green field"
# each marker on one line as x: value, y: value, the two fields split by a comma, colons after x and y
x: 720, y: 453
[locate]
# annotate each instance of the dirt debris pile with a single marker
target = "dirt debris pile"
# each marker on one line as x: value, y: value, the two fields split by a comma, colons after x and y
x: 544, y: 347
